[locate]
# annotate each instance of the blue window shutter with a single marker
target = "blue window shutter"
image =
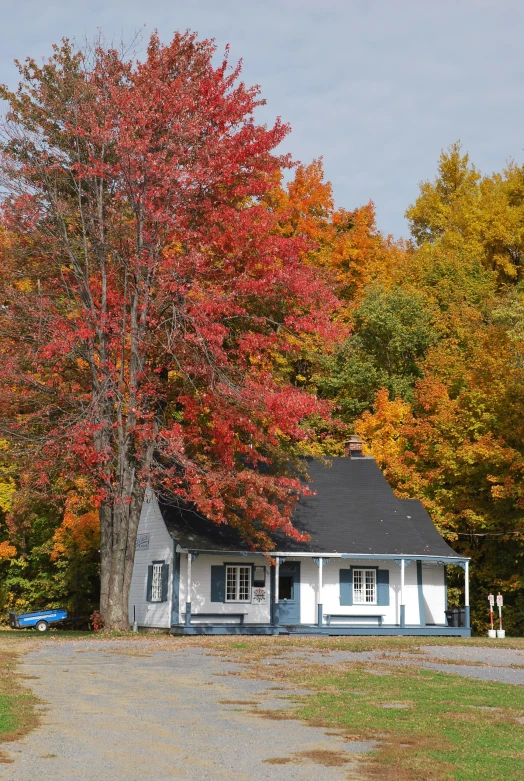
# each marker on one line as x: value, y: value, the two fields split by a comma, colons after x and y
x: 218, y: 584
x: 149, y: 582
x: 165, y: 581
x: 346, y: 586
x: 383, y: 587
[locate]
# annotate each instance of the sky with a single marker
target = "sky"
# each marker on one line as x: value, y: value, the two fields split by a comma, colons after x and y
x: 376, y: 87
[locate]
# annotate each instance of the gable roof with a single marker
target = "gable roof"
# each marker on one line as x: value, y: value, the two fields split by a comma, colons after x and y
x: 354, y: 510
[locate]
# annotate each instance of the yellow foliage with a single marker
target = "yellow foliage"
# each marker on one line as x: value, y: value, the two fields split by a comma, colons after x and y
x: 467, y: 213
x: 7, y: 489
x: 7, y: 484
x: 24, y: 285
x: 381, y: 430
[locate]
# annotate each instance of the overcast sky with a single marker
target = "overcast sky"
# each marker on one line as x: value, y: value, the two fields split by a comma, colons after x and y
x: 377, y: 87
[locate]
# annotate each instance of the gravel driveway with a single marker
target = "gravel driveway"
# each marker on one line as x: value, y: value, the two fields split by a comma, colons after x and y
x: 485, y: 664
x: 125, y: 712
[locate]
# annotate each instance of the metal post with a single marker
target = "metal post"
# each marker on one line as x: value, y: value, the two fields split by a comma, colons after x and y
x: 402, y: 605
x: 188, y: 592
x: 466, y: 596
x: 320, y: 607
x: 276, y: 617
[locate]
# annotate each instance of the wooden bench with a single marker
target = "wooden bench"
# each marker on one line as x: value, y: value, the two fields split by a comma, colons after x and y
x: 240, y: 616
x: 329, y: 616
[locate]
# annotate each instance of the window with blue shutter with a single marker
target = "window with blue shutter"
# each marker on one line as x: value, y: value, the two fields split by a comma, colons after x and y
x: 165, y: 581
x: 149, y: 582
x: 218, y: 584
x: 366, y: 588
x: 383, y: 587
x: 157, y: 582
x: 346, y: 586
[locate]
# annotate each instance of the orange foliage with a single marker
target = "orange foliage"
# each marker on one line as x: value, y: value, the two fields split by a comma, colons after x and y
x: 79, y: 530
x: 347, y: 243
x: 7, y: 551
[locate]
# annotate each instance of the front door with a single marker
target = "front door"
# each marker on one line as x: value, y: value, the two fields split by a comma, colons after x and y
x: 289, y: 593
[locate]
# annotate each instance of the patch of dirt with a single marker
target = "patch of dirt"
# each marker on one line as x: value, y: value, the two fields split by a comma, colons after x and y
x: 399, y: 705
x: 272, y: 715
x: 278, y: 760
x: 238, y: 702
x: 325, y: 757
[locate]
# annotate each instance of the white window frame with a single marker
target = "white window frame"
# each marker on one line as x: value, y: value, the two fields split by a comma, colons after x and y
x: 367, y: 593
x: 156, y: 582
x: 238, y: 587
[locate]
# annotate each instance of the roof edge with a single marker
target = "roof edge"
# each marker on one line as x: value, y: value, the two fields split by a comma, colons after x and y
x: 326, y: 555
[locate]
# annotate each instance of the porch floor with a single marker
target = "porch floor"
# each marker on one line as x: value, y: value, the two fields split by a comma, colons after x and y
x: 313, y: 629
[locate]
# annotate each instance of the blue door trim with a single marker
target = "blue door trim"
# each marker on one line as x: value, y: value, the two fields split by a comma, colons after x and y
x: 290, y: 567
x: 272, y: 607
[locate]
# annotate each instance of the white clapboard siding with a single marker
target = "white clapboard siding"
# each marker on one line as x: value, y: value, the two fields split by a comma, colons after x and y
x: 161, y: 547
x: 201, y: 589
x: 434, y: 591
x: 331, y: 591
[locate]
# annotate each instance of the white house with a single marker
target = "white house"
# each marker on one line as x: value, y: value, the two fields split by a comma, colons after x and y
x: 374, y: 564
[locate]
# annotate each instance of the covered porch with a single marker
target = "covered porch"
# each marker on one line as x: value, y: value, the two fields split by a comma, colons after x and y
x: 306, y: 596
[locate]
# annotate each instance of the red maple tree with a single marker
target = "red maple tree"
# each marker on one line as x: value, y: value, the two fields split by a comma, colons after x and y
x: 146, y: 295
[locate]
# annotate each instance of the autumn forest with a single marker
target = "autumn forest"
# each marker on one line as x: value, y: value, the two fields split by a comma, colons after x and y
x: 183, y: 305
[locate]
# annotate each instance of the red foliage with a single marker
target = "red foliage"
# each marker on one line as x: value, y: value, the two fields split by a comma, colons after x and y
x: 96, y: 620
x: 148, y: 289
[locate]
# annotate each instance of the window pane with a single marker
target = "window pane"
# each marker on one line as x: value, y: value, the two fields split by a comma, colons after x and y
x: 358, y: 586
x: 285, y: 587
x: 231, y: 583
x: 244, y: 583
x: 238, y: 584
x: 156, y: 583
x: 370, y: 585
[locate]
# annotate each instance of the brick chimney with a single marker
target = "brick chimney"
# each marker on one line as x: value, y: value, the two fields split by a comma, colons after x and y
x: 353, y: 447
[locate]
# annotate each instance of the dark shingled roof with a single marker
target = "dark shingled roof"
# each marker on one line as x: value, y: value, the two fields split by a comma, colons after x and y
x: 354, y: 510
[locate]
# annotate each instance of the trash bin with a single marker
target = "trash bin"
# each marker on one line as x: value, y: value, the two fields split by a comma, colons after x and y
x: 456, y: 617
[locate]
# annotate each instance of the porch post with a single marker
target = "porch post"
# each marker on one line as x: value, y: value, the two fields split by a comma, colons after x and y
x: 276, y: 618
x: 402, y: 605
x: 320, y: 606
x: 188, y: 591
x: 420, y: 585
x: 466, y: 596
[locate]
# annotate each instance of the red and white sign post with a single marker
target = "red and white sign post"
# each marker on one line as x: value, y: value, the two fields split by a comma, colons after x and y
x: 500, y: 602
x: 491, y: 630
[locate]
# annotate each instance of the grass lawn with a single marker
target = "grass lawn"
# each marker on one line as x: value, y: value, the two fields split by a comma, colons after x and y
x: 17, y: 704
x: 431, y: 725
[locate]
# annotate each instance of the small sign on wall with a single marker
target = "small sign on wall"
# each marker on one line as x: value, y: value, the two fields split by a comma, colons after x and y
x: 142, y: 542
x: 259, y: 596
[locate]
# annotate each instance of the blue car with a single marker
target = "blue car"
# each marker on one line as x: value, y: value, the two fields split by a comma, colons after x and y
x: 39, y: 620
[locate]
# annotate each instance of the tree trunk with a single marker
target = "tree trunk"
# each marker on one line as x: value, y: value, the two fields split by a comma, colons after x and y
x: 119, y: 526
x: 106, y: 547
